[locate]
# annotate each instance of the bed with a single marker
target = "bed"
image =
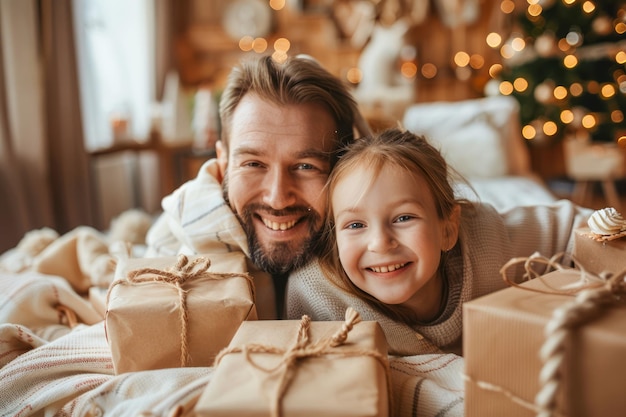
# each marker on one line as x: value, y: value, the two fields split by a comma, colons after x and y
x: 54, y: 354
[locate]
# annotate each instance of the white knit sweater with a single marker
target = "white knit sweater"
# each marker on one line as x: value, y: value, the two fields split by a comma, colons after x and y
x: 487, y: 240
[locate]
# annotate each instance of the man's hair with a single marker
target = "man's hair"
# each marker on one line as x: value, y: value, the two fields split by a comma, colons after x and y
x: 401, y: 149
x: 298, y: 80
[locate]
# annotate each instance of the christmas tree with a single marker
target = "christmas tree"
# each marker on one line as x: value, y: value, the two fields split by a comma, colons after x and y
x: 565, y: 63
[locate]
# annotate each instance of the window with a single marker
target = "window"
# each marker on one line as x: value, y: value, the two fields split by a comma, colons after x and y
x: 115, y: 51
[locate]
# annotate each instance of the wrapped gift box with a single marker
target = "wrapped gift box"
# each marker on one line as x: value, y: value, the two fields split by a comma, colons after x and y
x: 344, y: 381
x: 503, y: 333
x: 598, y: 256
x: 144, y: 325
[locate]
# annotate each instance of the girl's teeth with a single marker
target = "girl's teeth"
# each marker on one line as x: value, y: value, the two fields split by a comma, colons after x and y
x: 388, y: 268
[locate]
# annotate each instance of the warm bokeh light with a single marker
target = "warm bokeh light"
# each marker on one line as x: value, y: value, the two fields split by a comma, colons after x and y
x: 282, y: 44
x: 620, y: 57
x: 507, y: 51
x: 620, y: 28
x: 518, y: 43
x: 588, y: 121
x: 550, y: 128
x: 245, y: 43
x: 477, y: 61
x: 507, y: 6
x: 589, y: 7
x: 277, y: 4
x: 461, y: 59
x: 520, y: 84
x: 279, y: 56
x: 495, y: 70
x: 506, y: 88
x: 494, y: 39
x: 259, y: 45
x: 570, y: 61
x: 593, y: 87
x: 354, y: 75
x: 607, y: 91
x: 560, y: 92
x: 617, y: 116
x: 576, y: 89
x: 529, y: 132
x: 621, y: 141
x: 408, y: 70
x: 567, y: 116
x: 429, y: 70
x: 563, y: 45
x: 534, y: 10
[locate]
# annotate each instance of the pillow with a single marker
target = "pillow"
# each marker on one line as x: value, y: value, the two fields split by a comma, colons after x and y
x: 477, y: 137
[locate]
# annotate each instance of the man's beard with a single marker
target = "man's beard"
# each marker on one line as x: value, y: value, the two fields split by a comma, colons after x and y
x: 279, y: 258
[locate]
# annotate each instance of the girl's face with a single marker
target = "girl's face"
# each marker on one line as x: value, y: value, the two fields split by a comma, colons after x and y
x: 389, y: 236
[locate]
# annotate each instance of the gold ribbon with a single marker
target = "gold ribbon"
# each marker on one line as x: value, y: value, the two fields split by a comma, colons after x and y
x: 303, y: 348
x: 592, y: 293
x: 176, y: 276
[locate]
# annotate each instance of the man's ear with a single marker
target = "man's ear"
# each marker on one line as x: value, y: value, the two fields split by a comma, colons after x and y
x: 451, y: 229
x: 222, y: 157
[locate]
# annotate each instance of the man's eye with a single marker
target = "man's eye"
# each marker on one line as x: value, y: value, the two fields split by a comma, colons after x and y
x: 252, y: 164
x: 305, y: 166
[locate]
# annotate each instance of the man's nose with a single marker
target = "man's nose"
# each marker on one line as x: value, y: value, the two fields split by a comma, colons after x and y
x: 381, y: 239
x: 279, y: 190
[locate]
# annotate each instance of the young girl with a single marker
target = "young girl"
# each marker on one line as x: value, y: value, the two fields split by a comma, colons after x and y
x: 401, y: 249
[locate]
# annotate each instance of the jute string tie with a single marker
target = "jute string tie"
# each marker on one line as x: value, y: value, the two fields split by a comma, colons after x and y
x: 592, y: 295
x: 303, y: 348
x: 183, y: 271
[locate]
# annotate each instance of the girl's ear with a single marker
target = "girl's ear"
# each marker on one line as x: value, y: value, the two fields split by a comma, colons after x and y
x: 222, y: 158
x: 451, y: 229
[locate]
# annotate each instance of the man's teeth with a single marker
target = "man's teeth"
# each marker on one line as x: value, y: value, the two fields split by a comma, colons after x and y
x: 388, y: 268
x: 279, y: 226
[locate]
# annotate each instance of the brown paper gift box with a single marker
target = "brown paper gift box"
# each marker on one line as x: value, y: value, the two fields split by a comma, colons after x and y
x: 503, y: 333
x: 597, y: 257
x: 344, y: 382
x: 144, y: 327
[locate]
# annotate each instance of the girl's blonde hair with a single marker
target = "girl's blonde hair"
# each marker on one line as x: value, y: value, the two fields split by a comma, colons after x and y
x: 397, y: 148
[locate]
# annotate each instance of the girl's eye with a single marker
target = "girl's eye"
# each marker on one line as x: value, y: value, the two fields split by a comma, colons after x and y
x: 355, y: 225
x: 403, y: 218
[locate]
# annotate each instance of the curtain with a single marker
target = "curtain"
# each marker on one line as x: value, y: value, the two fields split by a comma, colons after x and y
x: 44, y: 171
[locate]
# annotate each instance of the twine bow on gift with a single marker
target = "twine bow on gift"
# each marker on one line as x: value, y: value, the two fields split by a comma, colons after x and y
x: 592, y: 294
x: 183, y: 271
x: 303, y: 348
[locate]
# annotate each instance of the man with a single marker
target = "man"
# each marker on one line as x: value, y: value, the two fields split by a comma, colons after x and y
x: 281, y: 128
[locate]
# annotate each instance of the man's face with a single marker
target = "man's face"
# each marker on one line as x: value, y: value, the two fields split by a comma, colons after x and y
x: 277, y: 164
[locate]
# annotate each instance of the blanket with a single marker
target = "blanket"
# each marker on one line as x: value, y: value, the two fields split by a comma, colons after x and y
x: 55, y: 359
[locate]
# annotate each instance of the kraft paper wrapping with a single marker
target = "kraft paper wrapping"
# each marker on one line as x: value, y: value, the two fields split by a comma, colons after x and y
x: 595, y: 256
x: 338, y: 383
x: 503, y: 334
x: 144, y: 321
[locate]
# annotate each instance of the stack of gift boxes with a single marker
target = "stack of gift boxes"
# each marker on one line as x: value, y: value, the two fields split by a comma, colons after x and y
x: 200, y: 311
x: 555, y: 344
